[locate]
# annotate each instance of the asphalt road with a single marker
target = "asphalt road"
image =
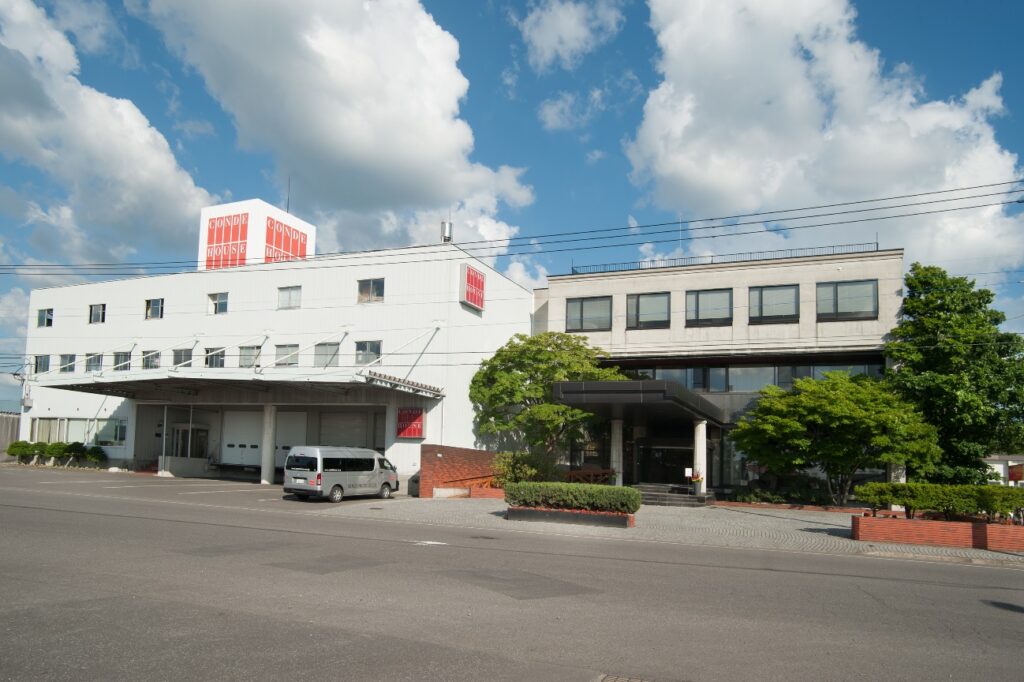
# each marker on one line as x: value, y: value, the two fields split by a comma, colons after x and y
x: 195, y: 580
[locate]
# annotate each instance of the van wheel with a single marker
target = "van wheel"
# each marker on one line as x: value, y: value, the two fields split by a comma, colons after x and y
x: 337, y: 494
x: 385, y: 492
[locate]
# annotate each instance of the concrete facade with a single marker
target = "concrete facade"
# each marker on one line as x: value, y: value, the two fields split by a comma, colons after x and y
x: 430, y: 347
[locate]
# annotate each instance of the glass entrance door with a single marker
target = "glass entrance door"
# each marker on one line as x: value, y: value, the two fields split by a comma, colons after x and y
x: 665, y: 463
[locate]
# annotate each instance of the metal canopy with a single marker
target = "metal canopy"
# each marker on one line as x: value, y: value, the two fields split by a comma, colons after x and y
x: 621, y: 399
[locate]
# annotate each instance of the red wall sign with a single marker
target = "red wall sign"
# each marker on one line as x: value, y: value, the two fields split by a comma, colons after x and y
x: 226, y: 239
x: 410, y: 422
x: 471, y: 287
x: 1016, y: 472
x: 283, y: 242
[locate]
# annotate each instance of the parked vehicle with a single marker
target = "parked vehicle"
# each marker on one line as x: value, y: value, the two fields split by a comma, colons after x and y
x: 320, y: 471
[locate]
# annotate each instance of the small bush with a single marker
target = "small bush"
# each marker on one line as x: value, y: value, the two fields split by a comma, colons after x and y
x: 585, y: 496
x: 56, y: 449
x: 39, y: 448
x: 75, y: 449
x: 999, y: 500
x: 96, y: 454
x: 517, y: 467
x: 758, y: 495
x: 20, y: 449
x: 954, y: 501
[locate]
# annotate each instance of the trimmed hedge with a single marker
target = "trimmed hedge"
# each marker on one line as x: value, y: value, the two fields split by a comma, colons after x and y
x: 952, y: 501
x: 586, y: 496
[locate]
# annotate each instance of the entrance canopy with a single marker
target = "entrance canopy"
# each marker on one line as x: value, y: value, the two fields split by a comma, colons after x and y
x: 631, y: 399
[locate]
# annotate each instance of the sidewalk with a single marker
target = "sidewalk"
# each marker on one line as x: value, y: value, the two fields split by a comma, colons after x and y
x: 744, y: 528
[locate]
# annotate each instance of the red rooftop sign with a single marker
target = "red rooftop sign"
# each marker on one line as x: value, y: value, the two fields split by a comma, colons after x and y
x: 283, y: 242
x: 226, y: 240
x: 471, y: 287
x: 410, y: 422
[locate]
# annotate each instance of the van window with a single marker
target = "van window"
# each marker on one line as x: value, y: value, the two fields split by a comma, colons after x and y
x: 385, y: 464
x: 362, y: 464
x: 302, y: 463
x: 334, y: 464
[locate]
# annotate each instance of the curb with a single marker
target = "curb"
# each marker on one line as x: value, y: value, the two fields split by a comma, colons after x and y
x: 966, y: 561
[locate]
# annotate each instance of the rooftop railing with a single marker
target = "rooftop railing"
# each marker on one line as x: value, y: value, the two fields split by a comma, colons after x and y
x: 653, y: 264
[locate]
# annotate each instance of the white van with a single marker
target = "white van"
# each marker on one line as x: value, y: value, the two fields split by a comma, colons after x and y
x: 319, y: 471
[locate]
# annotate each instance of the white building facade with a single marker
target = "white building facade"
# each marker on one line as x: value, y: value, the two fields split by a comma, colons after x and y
x: 702, y: 336
x: 263, y: 348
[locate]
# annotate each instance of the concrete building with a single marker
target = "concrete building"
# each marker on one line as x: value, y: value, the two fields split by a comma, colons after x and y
x: 703, y: 335
x: 263, y: 347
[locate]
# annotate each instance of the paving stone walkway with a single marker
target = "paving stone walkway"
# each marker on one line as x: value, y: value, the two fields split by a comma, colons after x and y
x: 748, y: 528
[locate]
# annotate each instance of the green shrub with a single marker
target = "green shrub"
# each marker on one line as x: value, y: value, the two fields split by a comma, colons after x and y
x: 757, y: 495
x: 75, y: 449
x: 999, y: 500
x: 96, y: 454
x: 56, y: 449
x: 517, y: 467
x: 20, y: 449
x: 39, y: 448
x: 586, y: 496
x: 954, y: 501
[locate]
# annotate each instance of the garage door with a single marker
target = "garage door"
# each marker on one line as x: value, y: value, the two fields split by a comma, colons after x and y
x: 291, y: 431
x: 243, y: 434
x: 343, y: 428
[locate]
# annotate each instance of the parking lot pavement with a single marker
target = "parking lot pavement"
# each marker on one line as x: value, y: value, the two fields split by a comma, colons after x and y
x: 726, y: 527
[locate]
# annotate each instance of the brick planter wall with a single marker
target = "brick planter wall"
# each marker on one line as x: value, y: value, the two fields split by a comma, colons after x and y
x: 453, y: 465
x: 940, y: 533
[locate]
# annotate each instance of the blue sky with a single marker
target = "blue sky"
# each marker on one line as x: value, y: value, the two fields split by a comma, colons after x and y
x: 523, y: 118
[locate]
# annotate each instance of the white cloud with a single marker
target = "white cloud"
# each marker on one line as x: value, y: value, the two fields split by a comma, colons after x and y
x: 785, y: 107
x: 357, y: 102
x: 518, y: 271
x: 569, y: 111
x: 89, y: 20
x: 595, y: 155
x: 564, y: 31
x: 192, y: 128
x: 118, y: 172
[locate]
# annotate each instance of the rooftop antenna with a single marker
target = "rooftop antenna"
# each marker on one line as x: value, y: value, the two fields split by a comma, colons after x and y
x: 288, y: 200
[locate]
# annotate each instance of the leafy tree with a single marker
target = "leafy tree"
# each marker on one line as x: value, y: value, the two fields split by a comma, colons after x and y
x: 840, y: 424
x: 511, y: 392
x: 966, y: 376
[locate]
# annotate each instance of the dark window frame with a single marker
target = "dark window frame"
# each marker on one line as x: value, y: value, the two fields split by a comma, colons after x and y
x: 216, y: 302
x: 44, y: 317
x: 772, y: 319
x: 633, y: 311
x: 214, y: 358
x: 41, y: 365
x: 835, y: 315
x: 371, y: 296
x: 154, y: 309
x: 711, y: 321
x: 580, y: 299
x: 362, y: 355
x: 97, y: 307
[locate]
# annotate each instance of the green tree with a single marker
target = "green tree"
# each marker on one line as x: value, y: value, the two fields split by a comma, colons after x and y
x: 511, y: 392
x: 840, y: 424
x: 965, y: 375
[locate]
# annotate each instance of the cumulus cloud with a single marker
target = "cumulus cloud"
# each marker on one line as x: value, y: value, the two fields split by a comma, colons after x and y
x: 569, y: 111
x: 562, y: 32
x: 13, y: 327
x: 785, y: 107
x: 118, y: 172
x: 519, y: 271
x: 595, y: 155
x: 358, y: 103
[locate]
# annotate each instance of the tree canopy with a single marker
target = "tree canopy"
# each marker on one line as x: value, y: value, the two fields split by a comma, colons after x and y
x: 839, y: 424
x: 952, y: 361
x: 511, y: 392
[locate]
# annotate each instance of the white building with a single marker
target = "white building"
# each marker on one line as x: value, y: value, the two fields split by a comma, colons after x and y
x: 704, y: 335
x: 261, y: 349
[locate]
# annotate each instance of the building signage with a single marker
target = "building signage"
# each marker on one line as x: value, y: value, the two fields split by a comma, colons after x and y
x: 471, y: 287
x: 284, y: 242
x: 1016, y: 472
x: 410, y: 422
x: 226, y: 240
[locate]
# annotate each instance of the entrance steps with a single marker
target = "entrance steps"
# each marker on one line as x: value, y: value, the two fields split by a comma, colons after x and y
x: 671, y: 495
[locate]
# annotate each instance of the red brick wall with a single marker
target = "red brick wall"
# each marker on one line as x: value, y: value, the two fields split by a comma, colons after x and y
x: 941, y: 533
x: 453, y: 465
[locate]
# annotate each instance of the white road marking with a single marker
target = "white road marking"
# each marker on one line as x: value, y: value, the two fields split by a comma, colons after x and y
x: 173, y: 485
x: 109, y: 480
x: 428, y: 543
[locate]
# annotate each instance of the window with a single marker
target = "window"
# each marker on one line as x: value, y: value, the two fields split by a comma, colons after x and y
x: 249, y: 356
x: 325, y: 355
x: 182, y: 357
x: 775, y: 305
x: 94, y: 362
x: 647, y: 311
x: 218, y: 303
x: 588, y: 314
x: 750, y: 379
x: 848, y: 300
x: 709, y: 308
x: 214, y: 357
x: 154, y: 308
x: 42, y: 364
x: 371, y: 290
x: 111, y: 431
x: 45, y: 317
x: 122, y: 361
x: 367, y: 352
x: 287, y: 355
x: 67, y: 363
x: 289, y: 297
x: 150, y: 359
x: 98, y: 313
